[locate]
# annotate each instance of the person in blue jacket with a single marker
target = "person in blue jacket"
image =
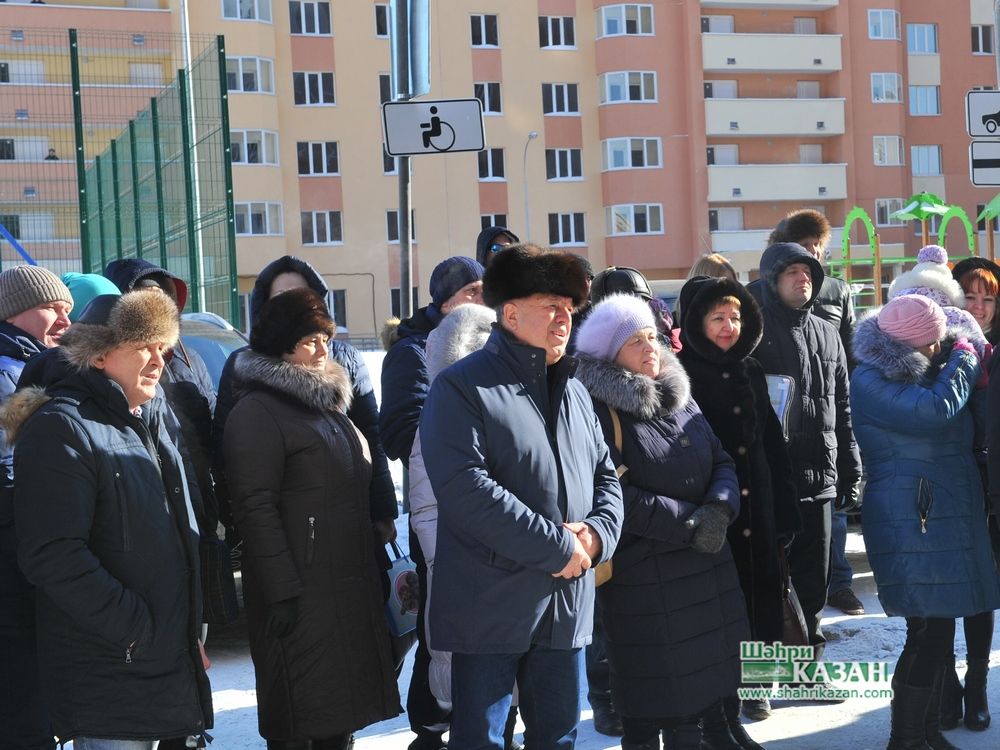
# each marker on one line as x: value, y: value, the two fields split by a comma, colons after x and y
x: 923, y: 512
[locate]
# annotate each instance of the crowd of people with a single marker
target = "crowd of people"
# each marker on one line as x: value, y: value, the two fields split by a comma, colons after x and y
x: 600, y: 488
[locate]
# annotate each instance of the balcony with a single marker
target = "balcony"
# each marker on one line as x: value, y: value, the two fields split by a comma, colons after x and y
x: 816, y: 5
x: 750, y: 243
x: 771, y: 53
x: 774, y: 117
x: 808, y: 183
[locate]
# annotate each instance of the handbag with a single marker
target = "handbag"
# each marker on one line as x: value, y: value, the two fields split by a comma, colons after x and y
x: 402, y: 605
x: 793, y: 631
x: 218, y: 585
x: 604, y: 570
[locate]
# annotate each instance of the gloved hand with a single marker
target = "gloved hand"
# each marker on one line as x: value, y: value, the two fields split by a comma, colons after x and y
x: 963, y: 345
x: 281, y: 617
x: 709, y: 522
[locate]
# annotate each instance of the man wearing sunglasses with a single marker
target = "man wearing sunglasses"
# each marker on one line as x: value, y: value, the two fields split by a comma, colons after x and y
x: 492, y: 240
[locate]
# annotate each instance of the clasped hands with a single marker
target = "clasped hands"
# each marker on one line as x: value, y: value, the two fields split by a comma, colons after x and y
x: 586, y: 546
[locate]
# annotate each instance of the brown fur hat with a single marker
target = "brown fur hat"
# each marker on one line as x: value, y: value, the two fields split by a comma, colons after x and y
x: 798, y: 225
x: 525, y: 269
x: 287, y: 318
x: 109, y: 320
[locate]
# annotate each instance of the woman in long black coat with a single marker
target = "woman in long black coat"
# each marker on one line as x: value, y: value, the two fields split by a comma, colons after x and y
x: 721, y: 326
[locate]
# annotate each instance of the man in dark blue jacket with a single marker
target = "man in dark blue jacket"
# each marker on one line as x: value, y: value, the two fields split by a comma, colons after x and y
x: 528, y: 501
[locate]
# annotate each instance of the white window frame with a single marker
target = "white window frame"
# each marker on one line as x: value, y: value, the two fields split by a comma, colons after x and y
x: 888, y: 206
x: 639, y: 14
x: 561, y: 90
x: 568, y: 229
x: 391, y: 215
x: 480, y: 20
x: 556, y: 27
x: 653, y: 213
x: 487, y: 97
x: 922, y: 39
x: 563, y: 161
x: 259, y: 64
x: 925, y: 160
x: 723, y: 24
x: 318, y: 76
x: 724, y: 216
x: 309, y: 13
x: 382, y: 9
x: 982, y: 39
x: 883, y: 78
x: 493, y: 220
x: 269, y: 210
x: 492, y: 165
x: 324, y: 147
x: 925, y: 101
x: 626, y: 147
x: 267, y: 149
x: 327, y: 221
x: 624, y: 80
x: 237, y: 7
x: 877, y: 23
x: 883, y: 147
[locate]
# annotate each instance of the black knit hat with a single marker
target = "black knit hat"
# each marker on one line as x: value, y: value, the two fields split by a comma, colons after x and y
x: 286, y: 319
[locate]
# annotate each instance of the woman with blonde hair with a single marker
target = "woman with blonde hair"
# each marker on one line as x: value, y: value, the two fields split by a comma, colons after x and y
x: 714, y: 266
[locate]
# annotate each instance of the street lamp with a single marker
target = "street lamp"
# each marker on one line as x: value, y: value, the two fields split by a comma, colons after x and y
x: 524, y: 177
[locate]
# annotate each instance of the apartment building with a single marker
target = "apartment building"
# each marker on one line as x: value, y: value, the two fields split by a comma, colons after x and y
x: 639, y: 134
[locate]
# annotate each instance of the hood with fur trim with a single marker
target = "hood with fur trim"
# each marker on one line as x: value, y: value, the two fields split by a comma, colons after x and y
x: 18, y: 407
x: 462, y: 331
x: 327, y: 391
x: 698, y: 297
x: 637, y: 395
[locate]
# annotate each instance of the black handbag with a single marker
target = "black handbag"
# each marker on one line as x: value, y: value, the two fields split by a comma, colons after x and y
x: 218, y: 585
x: 794, y: 631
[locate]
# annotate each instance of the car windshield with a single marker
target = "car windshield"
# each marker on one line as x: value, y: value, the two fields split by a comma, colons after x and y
x: 213, y: 343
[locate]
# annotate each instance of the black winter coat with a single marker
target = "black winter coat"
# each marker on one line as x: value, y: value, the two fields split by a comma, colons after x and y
x: 109, y: 538
x: 732, y: 392
x: 299, y: 476
x: 673, y: 617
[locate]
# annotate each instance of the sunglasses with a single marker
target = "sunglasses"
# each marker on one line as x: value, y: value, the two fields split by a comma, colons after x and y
x: 496, y: 247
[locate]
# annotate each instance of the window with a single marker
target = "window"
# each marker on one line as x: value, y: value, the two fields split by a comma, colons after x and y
x: 313, y: 88
x: 7, y: 149
x: 322, y: 228
x: 723, y: 154
x: 982, y: 40
x: 484, y: 30
x: 309, y: 17
x: 981, y: 223
x: 318, y: 157
x: 12, y: 223
x: 921, y: 38
x: 925, y: 160
x: 556, y: 32
x: 567, y: 229
x: 4, y: 72
x: 721, y: 90
x: 717, y: 25
x: 489, y: 95
x: 560, y: 99
x: 804, y: 25
x: 384, y: 88
x: 254, y: 146
x: 984, y: 88
x: 500, y: 220
x: 883, y: 24
x: 615, y: 20
x: 563, y: 164
x: 887, y: 88
x: 336, y: 303
x: 250, y: 74
x: 247, y: 10
x: 807, y: 89
x: 888, y: 150
x: 810, y: 153
x: 394, y: 305
x: 258, y: 218
x: 631, y: 153
x: 382, y: 21
x: 628, y: 86
x: 388, y: 163
x: 392, y: 226
x: 925, y: 100
x: 634, y: 218
x: 491, y: 164
x: 933, y: 224
x: 725, y: 219
x: 884, y: 208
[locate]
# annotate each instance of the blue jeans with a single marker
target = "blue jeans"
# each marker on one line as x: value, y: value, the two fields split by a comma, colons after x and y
x: 96, y: 743
x: 841, y: 574
x: 548, y: 681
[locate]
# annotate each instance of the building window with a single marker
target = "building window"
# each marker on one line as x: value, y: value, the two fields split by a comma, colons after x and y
x: 322, y: 228
x: 884, y: 208
x: 484, y: 30
x: 247, y: 10
x: 250, y: 75
x: 500, y: 220
x: 563, y: 164
x: 384, y: 88
x: 313, y: 88
x: 560, y: 99
x: 567, y: 229
x: 7, y: 149
x: 717, y: 24
x: 616, y: 20
x: 336, y: 303
x: 634, y: 218
x: 888, y: 150
x: 933, y: 224
x: 726, y: 154
x: 725, y: 219
x: 309, y: 17
x: 388, y: 163
x: 887, y: 88
x: 382, y: 21
x: 925, y: 100
x: 982, y: 40
x: 394, y: 306
x: 392, y: 226
x: 921, y: 38
x: 489, y: 95
x: 556, y: 32
x: 491, y: 165
x: 254, y: 146
x: 12, y: 223
x: 628, y: 86
x: 4, y: 72
x: 258, y: 218
x: 631, y: 153
x: 981, y: 223
x: 883, y: 24
x: 925, y: 161
x: 320, y: 157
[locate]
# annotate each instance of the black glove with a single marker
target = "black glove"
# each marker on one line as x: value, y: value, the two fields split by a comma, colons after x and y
x: 709, y: 522
x: 849, y: 500
x: 281, y: 618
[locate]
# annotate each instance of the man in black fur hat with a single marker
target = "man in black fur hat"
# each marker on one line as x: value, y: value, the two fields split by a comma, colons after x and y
x: 528, y: 502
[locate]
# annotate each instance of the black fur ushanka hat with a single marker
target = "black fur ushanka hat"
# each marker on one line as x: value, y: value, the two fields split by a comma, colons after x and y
x: 524, y: 269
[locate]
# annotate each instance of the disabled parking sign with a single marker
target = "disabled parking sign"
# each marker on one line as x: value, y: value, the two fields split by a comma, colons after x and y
x: 444, y: 126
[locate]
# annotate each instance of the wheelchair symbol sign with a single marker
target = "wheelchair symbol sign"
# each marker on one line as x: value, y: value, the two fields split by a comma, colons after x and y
x: 433, y: 127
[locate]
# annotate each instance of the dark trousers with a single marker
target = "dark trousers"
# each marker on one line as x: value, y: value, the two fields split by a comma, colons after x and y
x: 641, y: 731
x: 928, y: 641
x: 809, y: 564
x: 598, y: 669
x: 426, y: 715
x: 979, y: 635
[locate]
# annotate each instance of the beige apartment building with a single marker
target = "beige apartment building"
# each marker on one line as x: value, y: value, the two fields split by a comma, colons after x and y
x: 640, y: 134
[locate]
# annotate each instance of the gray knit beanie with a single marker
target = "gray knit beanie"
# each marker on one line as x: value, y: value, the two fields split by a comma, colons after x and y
x: 24, y: 287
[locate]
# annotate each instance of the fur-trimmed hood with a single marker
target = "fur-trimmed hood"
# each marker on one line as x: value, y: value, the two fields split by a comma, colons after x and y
x: 462, y: 331
x: 328, y: 391
x: 895, y: 360
x: 637, y: 395
x: 698, y: 297
x: 16, y: 410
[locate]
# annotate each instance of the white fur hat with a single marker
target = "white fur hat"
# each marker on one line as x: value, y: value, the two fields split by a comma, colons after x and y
x: 930, y: 277
x: 610, y: 324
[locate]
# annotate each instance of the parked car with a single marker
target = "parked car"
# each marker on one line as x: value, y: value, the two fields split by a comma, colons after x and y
x: 213, y: 338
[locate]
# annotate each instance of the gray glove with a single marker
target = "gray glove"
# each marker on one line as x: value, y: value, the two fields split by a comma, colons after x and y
x: 709, y: 522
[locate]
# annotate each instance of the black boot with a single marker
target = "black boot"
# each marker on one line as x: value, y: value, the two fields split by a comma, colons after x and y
x: 977, y: 709
x: 951, y: 696
x: 606, y: 719
x: 508, y: 731
x: 909, y: 711
x: 685, y: 735
x: 715, y: 734
x: 932, y: 721
x: 732, y: 708
x: 339, y: 742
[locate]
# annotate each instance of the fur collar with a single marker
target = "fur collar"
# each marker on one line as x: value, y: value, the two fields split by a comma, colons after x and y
x: 328, y: 391
x: 18, y: 407
x: 637, y: 395
x: 895, y: 360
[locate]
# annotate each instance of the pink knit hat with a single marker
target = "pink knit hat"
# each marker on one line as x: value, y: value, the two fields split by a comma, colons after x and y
x: 912, y: 320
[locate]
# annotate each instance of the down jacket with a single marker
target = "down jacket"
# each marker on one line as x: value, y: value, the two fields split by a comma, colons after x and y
x: 922, y: 518
x: 299, y: 476
x: 673, y: 617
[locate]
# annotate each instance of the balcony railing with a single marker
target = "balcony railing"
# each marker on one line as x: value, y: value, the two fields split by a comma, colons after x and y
x: 774, y: 53
x: 777, y: 182
x: 775, y: 117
